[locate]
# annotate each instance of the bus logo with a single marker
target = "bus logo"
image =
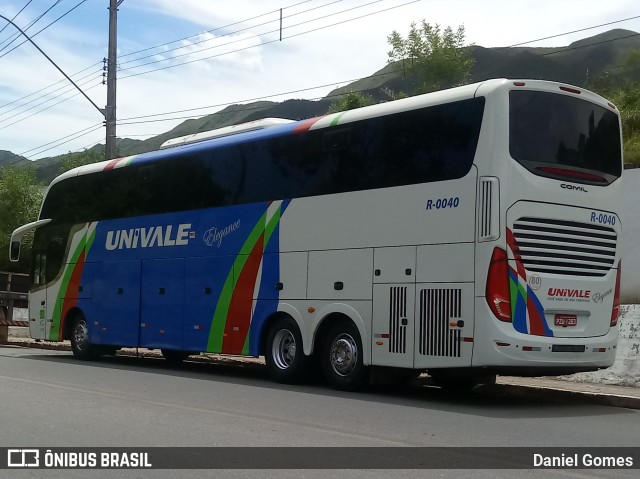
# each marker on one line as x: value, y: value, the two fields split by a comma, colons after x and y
x: 148, y: 237
x: 570, y: 293
x: 573, y: 187
x: 23, y: 458
x: 214, y: 236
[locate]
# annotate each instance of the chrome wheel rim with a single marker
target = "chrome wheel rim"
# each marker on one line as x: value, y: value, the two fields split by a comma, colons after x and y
x: 344, y: 354
x: 283, y: 350
x: 81, y: 336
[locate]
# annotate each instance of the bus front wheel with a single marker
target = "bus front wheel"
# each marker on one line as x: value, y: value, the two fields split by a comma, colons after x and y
x: 341, y: 358
x: 80, y: 344
x: 285, y: 359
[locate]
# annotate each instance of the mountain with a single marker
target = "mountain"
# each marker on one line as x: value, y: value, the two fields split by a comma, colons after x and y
x: 579, y: 63
x: 8, y: 158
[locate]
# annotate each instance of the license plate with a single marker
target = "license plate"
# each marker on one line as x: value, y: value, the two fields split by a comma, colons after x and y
x: 565, y: 320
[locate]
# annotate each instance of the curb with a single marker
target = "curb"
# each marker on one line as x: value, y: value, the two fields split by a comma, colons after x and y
x: 504, y: 385
x: 566, y: 395
x: 37, y: 345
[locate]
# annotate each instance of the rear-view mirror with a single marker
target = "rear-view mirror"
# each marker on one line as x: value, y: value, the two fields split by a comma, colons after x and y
x: 14, y: 251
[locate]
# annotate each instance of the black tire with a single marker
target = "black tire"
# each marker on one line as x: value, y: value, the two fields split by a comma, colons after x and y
x: 174, y: 357
x: 80, y: 345
x: 341, y: 358
x: 283, y: 353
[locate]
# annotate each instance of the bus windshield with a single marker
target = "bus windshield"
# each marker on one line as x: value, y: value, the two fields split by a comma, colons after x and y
x: 564, y: 137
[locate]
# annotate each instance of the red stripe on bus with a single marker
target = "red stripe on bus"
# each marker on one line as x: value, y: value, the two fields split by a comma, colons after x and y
x: 112, y: 164
x: 239, y: 317
x: 72, y: 290
x: 306, y: 125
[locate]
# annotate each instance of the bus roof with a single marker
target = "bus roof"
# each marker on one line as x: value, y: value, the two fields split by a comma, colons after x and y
x: 225, y: 131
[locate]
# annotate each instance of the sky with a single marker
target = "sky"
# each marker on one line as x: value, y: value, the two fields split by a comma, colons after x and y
x: 181, y: 59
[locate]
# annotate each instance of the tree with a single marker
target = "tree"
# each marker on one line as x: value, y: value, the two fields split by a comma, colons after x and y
x: 620, y: 87
x: 20, y: 199
x: 350, y: 101
x: 628, y: 102
x: 439, y: 59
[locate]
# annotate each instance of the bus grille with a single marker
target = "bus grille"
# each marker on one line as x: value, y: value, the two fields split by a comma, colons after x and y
x: 565, y: 247
x: 437, y: 308
x: 398, y: 314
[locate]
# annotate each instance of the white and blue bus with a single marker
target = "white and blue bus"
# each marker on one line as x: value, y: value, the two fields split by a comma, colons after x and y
x: 465, y: 232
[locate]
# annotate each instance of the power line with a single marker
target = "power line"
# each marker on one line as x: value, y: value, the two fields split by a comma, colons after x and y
x: 59, y: 139
x: 305, y: 11
x: 268, y: 42
x: 90, y: 145
x: 573, y: 31
x: 214, y: 29
x: 126, y: 122
x: 387, y: 73
x: 15, y: 36
x: 81, y: 71
x: 65, y: 142
x: 67, y: 88
x: 47, y: 108
x: 16, y: 15
x: 577, y: 47
x: 43, y: 29
x: 225, y: 35
x: 235, y: 41
x: 47, y: 87
x: 258, y: 98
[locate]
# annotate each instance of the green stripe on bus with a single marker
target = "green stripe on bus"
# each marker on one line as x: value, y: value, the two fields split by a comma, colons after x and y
x: 336, y: 120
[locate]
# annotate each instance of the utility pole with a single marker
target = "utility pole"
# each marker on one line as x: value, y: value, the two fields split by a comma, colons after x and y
x: 110, y: 109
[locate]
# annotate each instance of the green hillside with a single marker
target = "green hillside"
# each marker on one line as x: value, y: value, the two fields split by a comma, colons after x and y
x: 8, y: 158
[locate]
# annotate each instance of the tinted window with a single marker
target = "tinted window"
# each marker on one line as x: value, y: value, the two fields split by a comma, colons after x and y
x: 548, y: 130
x: 420, y: 146
x: 49, y: 250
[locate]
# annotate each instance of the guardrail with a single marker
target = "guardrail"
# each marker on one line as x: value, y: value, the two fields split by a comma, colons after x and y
x: 13, y: 294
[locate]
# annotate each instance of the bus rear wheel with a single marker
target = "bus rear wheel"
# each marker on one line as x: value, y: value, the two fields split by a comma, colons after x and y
x: 341, y: 358
x: 285, y: 359
x: 80, y: 345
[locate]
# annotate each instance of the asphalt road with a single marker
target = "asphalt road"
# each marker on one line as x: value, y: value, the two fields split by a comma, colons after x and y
x: 48, y: 399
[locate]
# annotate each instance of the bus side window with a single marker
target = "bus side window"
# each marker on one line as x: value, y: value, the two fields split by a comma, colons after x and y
x: 151, y: 194
x: 336, y: 140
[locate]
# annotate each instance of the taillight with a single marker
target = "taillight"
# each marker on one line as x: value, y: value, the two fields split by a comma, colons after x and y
x: 497, y: 292
x: 572, y: 174
x: 570, y: 90
x: 615, y: 312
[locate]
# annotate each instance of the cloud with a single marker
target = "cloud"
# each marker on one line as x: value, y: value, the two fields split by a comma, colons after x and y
x: 205, y: 51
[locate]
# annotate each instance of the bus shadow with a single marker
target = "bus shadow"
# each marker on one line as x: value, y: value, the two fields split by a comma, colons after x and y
x: 496, y: 401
